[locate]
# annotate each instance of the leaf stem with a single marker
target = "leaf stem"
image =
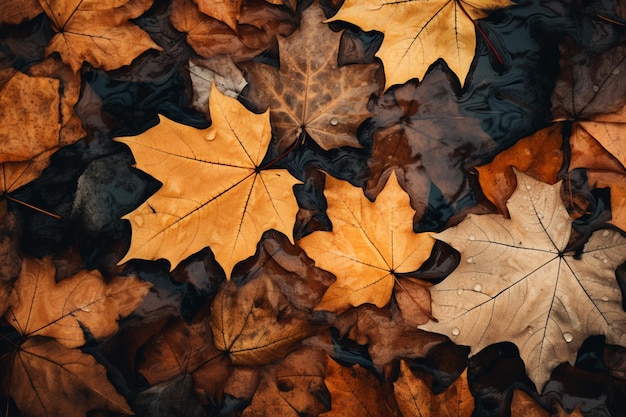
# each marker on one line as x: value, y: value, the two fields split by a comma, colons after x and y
x: 30, y: 206
x: 298, y: 142
x: 482, y: 34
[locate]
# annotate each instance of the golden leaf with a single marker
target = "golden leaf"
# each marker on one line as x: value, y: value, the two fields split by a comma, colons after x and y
x: 370, y: 242
x: 213, y: 193
x: 417, y: 33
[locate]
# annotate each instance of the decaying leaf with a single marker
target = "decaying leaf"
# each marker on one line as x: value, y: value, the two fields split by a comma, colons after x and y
x: 47, y: 379
x: 16, y: 11
x: 415, y: 397
x: 214, y: 192
x: 356, y: 392
x: 423, y: 136
x: 304, y: 93
x: 97, y: 32
x: 40, y: 306
x: 515, y: 282
x: 219, y: 70
x: 262, y: 314
x: 227, y: 11
x: 370, y: 243
x: 293, y: 387
x: 417, y: 33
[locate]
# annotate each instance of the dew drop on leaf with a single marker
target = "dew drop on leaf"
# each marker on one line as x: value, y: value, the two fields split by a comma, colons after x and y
x: 459, y: 291
x: 478, y: 288
x: 334, y: 121
x: 455, y: 331
x: 605, y: 298
x: 616, y: 71
x: 595, y: 88
x: 568, y: 337
x: 470, y: 260
x: 605, y: 233
x: 605, y: 261
x: 528, y: 187
x: 472, y: 237
x: 211, y: 135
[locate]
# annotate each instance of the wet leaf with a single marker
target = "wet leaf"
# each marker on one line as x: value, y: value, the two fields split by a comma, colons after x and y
x: 47, y: 379
x: 418, y: 33
x: 415, y: 397
x: 304, y: 93
x: 369, y: 244
x: 97, y: 32
x: 516, y: 267
x: 263, y: 313
x: 65, y: 310
x: 214, y: 192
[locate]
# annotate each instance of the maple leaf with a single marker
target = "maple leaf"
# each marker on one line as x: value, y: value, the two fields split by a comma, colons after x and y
x: 220, y: 70
x: 310, y: 91
x: 262, y: 314
x: 40, y: 306
x: 415, y: 397
x: 524, y: 405
x: 369, y: 244
x: 356, y: 392
x: 16, y: 11
x: 215, y: 193
x: 515, y: 282
x: 422, y: 134
x: 48, y: 379
x: 417, y: 33
x: 97, y: 32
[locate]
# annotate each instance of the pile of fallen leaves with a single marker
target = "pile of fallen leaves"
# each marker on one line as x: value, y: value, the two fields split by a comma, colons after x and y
x: 303, y: 208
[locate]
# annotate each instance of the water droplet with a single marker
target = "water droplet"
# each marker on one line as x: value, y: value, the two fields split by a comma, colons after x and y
x: 211, y: 135
x: 605, y: 233
x: 333, y: 66
x: 478, y: 288
x: 528, y: 187
x: 616, y: 71
x: 568, y: 336
x: 455, y: 331
x: 469, y: 260
x: 334, y: 121
x: 364, y: 84
x: 459, y: 291
x: 605, y: 298
x: 472, y: 237
x: 540, y: 215
x: 605, y: 261
x: 595, y: 88
x: 138, y: 220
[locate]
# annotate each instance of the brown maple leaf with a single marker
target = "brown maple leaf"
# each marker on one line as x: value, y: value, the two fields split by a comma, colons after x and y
x: 357, y: 392
x: 262, y: 314
x: 40, y: 306
x: 48, y: 379
x: 215, y: 193
x: 370, y: 243
x: 16, y: 11
x: 310, y: 91
x: 515, y: 282
x: 415, y: 397
x: 227, y: 11
x: 418, y: 33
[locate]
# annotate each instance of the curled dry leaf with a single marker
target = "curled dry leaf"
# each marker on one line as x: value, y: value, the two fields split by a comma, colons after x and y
x: 227, y: 11
x: 263, y: 314
x: 47, y: 379
x: 214, y: 192
x: 357, y: 392
x: 293, y: 387
x: 219, y: 70
x: 40, y: 306
x: 515, y: 282
x: 415, y: 397
x: 304, y: 93
x: 16, y: 11
x: 98, y: 32
x: 419, y: 33
x: 370, y: 243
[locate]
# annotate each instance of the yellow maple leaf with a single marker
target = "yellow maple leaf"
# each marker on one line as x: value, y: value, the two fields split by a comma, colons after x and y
x: 370, y: 242
x: 418, y: 32
x: 213, y: 192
